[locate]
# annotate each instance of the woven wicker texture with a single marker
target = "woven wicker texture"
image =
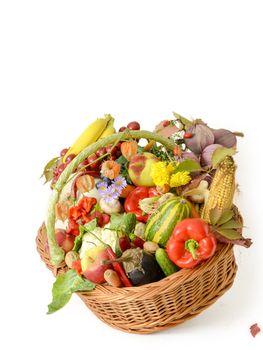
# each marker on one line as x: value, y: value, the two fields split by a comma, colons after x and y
x: 160, y: 305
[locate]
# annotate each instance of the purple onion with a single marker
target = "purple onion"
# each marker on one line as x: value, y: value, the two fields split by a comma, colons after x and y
x: 202, y: 137
x: 206, y: 157
x: 225, y: 138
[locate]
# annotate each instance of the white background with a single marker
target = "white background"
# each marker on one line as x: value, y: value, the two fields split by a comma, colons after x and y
x: 65, y: 63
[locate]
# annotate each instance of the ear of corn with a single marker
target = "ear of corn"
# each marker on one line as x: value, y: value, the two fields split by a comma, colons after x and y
x: 110, y: 128
x: 222, y: 188
x: 90, y: 135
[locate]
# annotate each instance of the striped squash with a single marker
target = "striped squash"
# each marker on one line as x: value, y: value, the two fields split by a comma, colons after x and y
x: 161, y: 224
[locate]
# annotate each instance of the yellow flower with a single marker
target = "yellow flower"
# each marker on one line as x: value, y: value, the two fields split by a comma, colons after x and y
x: 160, y: 174
x: 170, y: 167
x: 179, y: 179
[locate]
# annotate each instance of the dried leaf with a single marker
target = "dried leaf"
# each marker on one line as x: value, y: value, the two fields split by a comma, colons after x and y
x: 220, y: 153
x: 215, y: 215
x: 184, y: 120
x: 254, y: 329
x: 199, y: 194
x: 244, y: 242
x: 230, y: 234
x: 231, y: 224
x: 227, y: 215
x: 238, y: 133
x: 49, y: 168
x: 193, y: 184
x: 168, y: 131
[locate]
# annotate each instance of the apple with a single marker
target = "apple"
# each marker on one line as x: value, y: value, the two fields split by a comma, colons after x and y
x: 64, y: 240
x: 140, y: 169
x: 92, y: 264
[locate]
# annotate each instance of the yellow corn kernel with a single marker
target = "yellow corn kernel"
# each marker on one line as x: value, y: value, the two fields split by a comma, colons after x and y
x: 222, y: 188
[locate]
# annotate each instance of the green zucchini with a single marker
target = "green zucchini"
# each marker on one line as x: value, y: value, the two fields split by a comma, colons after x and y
x: 165, y: 263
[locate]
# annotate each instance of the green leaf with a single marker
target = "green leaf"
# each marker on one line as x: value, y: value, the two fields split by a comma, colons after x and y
x: 49, y: 168
x: 124, y: 223
x: 128, y: 223
x: 227, y: 215
x: 185, y: 121
x: 215, y: 215
x: 96, y: 208
x: 220, y: 154
x: 231, y: 224
x: 230, y: 234
x: 66, y: 284
x: 115, y: 221
x: 188, y: 165
x: 90, y: 226
x: 124, y: 169
x: 140, y: 149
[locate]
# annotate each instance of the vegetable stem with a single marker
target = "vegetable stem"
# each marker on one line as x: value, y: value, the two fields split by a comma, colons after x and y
x: 191, y: 245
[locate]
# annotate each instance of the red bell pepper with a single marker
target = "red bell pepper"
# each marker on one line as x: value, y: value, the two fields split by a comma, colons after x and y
x: 190, y: 243
x: 131, y: 204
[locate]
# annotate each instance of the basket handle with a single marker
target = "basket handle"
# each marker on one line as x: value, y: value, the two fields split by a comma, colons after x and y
x: 56, y: 253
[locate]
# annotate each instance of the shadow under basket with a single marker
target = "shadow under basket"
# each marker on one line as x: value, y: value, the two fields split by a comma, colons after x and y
x: 156, y: 306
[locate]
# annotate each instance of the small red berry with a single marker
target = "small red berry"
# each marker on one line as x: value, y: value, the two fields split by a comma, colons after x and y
x: 166, y: 123
x: 188, y: 135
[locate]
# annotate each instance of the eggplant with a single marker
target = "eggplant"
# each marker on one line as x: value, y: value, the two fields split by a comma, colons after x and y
x: 141, y: 267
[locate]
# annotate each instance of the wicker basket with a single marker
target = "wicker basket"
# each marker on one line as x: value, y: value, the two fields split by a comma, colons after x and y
x: 155, y: 306
x: 160, y: 305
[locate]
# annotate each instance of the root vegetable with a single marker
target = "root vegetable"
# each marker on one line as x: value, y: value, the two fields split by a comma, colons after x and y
x: 70, y: 257
x: 112, y: 278
x: 109, y: 208
x: 150, y: 247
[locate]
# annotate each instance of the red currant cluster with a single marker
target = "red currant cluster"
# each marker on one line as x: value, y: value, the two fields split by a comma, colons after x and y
x: 91, y: 163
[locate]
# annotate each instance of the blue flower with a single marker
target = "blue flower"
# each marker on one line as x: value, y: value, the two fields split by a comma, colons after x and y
x: 120, y: 183
x: 110, y: 195
x: 114, y: 190
x: 102, y: 188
